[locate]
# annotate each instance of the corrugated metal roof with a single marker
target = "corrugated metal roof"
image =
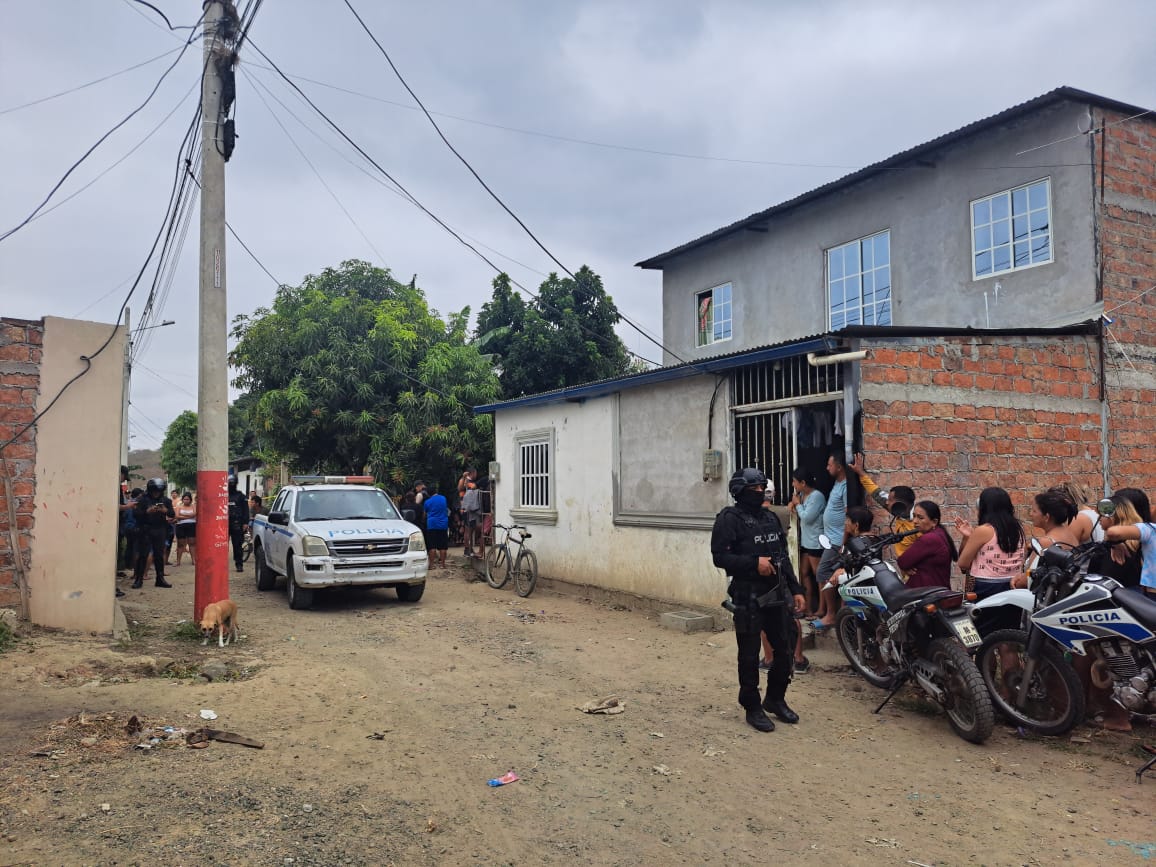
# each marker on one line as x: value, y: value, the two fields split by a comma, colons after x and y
x: 1060, y: 94
x: 829, y: 341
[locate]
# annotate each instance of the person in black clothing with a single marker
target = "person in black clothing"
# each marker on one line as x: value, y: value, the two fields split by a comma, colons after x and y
x: 749, y: 543
x: 238, y: 519
x: 153, y: 512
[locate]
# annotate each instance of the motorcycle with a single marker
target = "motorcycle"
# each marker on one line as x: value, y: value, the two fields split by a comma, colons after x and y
x: 892, y: 634
x: 1085, y: 614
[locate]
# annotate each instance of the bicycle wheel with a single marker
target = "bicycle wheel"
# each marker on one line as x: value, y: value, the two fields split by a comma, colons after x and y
x: 525, y: 572
x: 497, y: 566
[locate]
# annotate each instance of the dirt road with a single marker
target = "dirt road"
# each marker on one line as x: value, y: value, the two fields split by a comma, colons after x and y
x: 382, y: 722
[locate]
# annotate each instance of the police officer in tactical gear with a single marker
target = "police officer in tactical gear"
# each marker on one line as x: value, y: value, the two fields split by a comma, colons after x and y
x: 153, y: 511
x: 748, y: 542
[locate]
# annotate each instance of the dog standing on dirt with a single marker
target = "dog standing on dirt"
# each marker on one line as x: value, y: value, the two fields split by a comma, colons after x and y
x: 222, y: 617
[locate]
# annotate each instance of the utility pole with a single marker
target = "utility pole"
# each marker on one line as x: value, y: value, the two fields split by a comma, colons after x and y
x: 212, y: 567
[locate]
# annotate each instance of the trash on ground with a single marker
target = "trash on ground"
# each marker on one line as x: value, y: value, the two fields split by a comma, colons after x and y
x: 657, y: 735
x: 200, y: 738
x: 208, y: 714
x: 504, y: 780
x: 610, y: 704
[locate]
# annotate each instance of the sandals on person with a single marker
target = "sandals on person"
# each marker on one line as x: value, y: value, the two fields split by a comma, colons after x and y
x: 819, y: 626
x: 802, y: 666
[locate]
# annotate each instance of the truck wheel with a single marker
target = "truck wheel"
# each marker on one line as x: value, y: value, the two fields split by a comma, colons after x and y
x: 266, y: 577
x: 410, y: 592
x: 299, y: 597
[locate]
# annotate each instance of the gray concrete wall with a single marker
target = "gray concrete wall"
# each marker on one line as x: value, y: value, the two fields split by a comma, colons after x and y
x: 778, y: 277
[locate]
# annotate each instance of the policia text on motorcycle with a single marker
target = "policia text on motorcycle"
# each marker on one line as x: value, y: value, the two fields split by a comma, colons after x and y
x: 748, y: 542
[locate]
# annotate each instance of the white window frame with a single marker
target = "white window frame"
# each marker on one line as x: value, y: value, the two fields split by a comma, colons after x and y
x: 890, y: 270
x: 1012, y: 241
x: 529, y: 469
x: 714, y: 321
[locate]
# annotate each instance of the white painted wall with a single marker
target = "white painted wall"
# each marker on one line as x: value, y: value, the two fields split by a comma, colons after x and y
x: 585, y: 546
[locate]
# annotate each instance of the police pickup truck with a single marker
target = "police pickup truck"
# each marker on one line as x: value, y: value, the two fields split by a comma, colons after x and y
x: 337, y: 531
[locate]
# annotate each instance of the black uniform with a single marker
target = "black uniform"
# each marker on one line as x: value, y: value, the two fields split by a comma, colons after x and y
x: 153, y: 511
x: 763, y: 603
x: 238, y: 518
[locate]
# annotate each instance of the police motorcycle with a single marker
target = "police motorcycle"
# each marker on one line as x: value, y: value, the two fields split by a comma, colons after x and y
x: 1072, y: 612
x: 892, y: 634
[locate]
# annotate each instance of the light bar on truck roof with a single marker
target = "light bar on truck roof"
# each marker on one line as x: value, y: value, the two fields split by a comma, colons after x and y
x: 331, y: 480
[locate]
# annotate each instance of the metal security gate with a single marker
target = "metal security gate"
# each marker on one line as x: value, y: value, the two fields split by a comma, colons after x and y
x: 768, y: 399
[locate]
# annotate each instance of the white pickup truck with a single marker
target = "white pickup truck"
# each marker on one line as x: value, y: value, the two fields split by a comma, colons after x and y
x: 336, y: 531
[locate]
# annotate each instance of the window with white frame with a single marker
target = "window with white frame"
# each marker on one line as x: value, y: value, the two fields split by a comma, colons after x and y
x: 535, y: 453
x: 713, y: 315
x: 859, y: 282
x: 1012, y: 229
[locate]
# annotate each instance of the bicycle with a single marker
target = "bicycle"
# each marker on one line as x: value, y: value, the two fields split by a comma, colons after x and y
x: 502, y: 563
x: 247, y: 544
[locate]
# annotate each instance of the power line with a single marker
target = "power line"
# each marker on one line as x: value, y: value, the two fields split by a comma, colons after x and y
x: 99, y: 141
x: 313, y: 168
x: 453, y: 150
x: 166, y: 18
x: 87, y: 83
x: 423, y: 208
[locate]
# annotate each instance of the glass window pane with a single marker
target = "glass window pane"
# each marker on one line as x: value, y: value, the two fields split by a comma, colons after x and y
x: 1000, y: 233
x: 835, y: 263
x: 883, y: 249
x: 853, y: 317
x: 868, y: 287
x: 1019, y: 201
x: 999, y: 205
x: 851, y: 259
x: 883, y: 313
x: 1020, y: 227
x: 983, y: 238
x: 837, y: 321
x: 1038, y: 195
x: 1039, y: 221
x: 837, y: 294
x: 1001, y: 258
x: 1041, y: 249
x: 981, y: 212
x: 867, y: 248
x: 983, y: 263
x: 1023, y: 254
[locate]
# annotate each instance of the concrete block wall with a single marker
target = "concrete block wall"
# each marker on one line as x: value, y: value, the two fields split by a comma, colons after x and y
x: 20, y: 356
x: 951, y: 416
x: 1126, y: 227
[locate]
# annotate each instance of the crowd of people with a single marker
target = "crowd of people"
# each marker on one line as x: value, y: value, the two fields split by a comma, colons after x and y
x: 461, y: 518
x: 987, y: 554
x: 155, y: 527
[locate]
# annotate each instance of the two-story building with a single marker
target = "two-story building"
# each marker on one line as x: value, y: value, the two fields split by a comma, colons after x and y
x: 977, y: 310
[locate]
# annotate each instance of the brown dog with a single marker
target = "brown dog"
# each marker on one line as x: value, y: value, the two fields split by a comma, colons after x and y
x: 221, y: 616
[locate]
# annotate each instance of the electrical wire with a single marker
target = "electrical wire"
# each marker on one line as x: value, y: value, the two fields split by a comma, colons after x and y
x: 381, y: 257
x: 417, y: 203
x: 95, y: 81
x: 449, y: 145
x: 170, y: 24
x: 99, y: 141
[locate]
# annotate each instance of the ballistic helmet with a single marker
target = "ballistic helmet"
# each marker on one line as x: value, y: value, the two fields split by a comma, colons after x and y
x: 745, y: 478
x: 155, y: 486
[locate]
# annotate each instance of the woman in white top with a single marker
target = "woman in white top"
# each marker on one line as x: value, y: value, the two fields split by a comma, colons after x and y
x: 186, y: 529
x: 1086, y: 524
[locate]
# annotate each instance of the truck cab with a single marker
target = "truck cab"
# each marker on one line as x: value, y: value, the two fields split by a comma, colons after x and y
x: 337, y: 531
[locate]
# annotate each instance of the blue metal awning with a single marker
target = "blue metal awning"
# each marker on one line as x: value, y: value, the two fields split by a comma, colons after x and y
x: 717, y: 364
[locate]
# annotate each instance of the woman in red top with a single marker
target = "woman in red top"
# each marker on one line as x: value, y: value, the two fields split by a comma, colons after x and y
x: 928, y: 561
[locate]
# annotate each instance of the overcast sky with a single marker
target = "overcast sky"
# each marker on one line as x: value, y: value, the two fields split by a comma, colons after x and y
x: 775, y: 97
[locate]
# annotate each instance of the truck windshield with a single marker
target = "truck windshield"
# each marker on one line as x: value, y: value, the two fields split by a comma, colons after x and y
x: 345, y: 506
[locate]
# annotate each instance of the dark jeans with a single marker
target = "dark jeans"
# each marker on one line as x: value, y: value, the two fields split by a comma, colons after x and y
x: 237, y: 538
x: 127, y: 558
x: 150, y: 541
x: 780, y: 628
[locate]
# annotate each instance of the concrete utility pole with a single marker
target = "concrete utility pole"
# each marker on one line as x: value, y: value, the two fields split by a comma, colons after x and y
x: 212, y: 569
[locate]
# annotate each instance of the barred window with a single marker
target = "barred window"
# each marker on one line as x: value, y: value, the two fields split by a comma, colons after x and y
x: 535, y: 462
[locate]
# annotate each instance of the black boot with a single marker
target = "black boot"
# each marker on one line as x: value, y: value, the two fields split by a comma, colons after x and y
x: 759, y: 720
x: 137, y: 583
x: 778, y: 706
x: 161, y: 582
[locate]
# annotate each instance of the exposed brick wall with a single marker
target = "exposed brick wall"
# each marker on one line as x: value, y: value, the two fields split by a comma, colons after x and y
x: 1126, y: 227
x: 20, y: 350
x: 951, y: 416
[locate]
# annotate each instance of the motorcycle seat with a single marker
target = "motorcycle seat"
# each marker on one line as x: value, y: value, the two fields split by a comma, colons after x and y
x: 1137, y: 603
x: 897, y: 598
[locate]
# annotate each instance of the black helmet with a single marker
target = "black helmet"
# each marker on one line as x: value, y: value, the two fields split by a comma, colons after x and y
x: 745, y: 478
x: 155, y: 486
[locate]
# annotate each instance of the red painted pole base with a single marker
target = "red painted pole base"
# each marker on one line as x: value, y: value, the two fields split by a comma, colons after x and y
x: 212, y: 571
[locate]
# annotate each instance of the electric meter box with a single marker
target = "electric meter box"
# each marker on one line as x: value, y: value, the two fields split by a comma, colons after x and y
x: 711, y: 464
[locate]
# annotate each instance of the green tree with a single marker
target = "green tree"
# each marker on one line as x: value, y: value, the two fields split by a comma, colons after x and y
x: 242, y: 435
x: 565, y: 337
x: 352, y: 369
x: 179, y: 450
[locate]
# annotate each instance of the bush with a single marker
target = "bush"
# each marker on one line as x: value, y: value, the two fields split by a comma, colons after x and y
x: 7, y: 636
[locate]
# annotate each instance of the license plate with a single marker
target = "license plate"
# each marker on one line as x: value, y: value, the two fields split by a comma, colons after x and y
x: 966, y: 632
